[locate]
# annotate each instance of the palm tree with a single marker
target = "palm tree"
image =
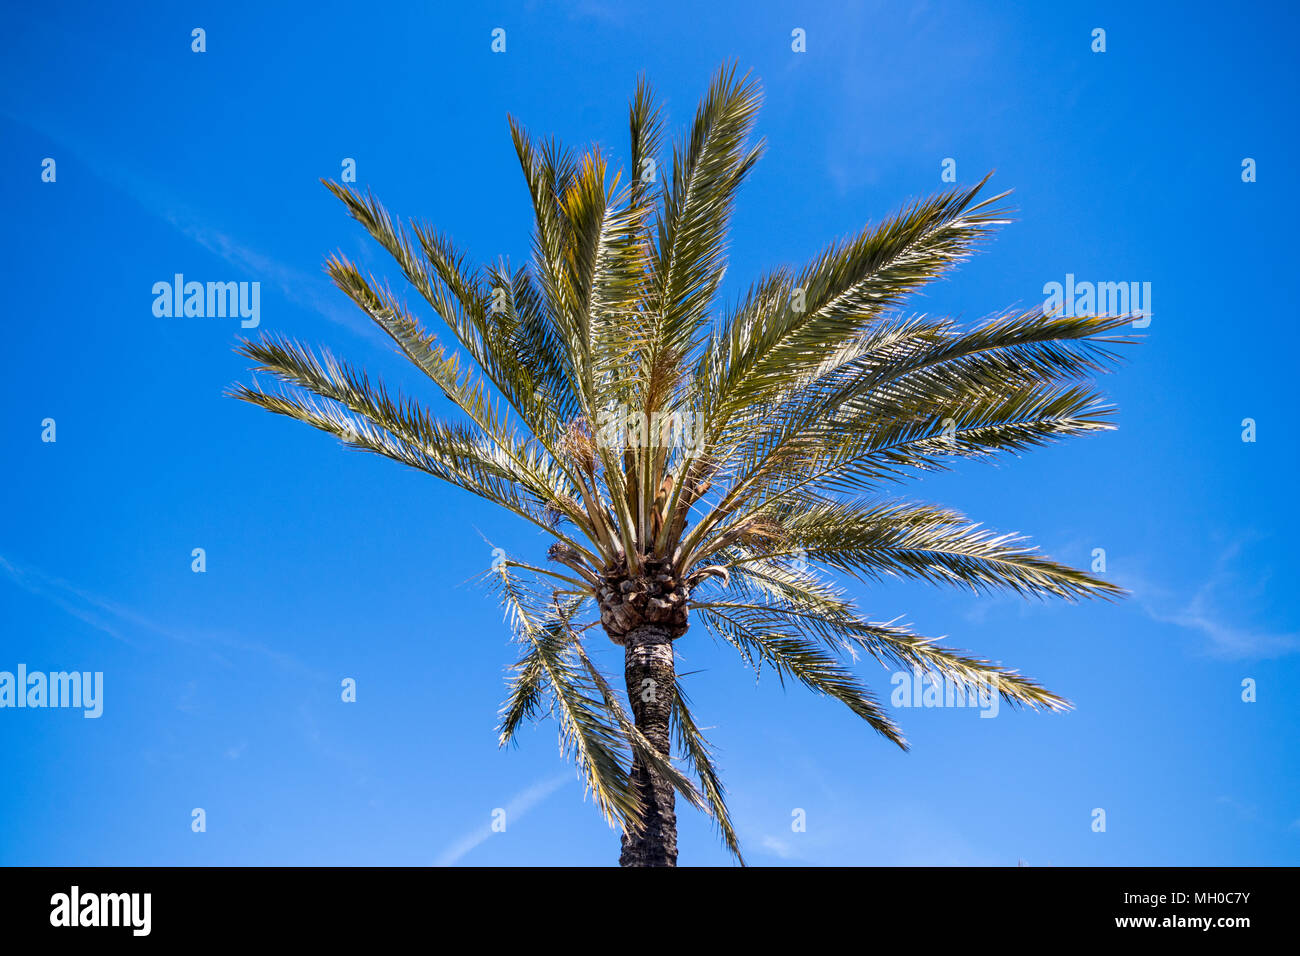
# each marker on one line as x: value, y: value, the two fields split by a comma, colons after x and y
x: 693, y: 465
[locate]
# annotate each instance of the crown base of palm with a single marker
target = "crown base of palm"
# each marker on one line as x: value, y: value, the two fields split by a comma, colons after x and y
x: 649, y: 606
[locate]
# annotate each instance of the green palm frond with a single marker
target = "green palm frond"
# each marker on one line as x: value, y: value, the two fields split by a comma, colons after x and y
x: 549, y: 171
x: 932, y: 397
x: 645, y: 134
x: 498, y: 467
x: 707, y: 170
x: 598, y: 746
x: 798, y: 596
x: 773, y: 640
x: 700, y: 757
x: 873, y: 540
x: 636, y: 740
x: 529, y: 680
x: 915, y: 370
x: 788, y: 323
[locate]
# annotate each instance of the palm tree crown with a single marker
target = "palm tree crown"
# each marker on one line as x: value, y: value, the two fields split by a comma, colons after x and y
x: 706, y: 464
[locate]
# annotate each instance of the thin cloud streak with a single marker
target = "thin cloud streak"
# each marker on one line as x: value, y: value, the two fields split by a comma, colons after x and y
x: 519, y: 805
x: 311, y: 292
x: 1201, y: 614
x: 93, y: 610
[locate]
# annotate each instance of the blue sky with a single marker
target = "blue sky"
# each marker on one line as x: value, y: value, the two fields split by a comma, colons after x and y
x: 222, y: 688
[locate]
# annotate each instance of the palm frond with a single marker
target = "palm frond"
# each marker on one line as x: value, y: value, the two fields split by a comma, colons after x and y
x: 598, y: 747
x: 866, y: 451
x: 776, y: 642
x: 771, y: 586
x: 637, y: 741
x: 496, y: 466
x: 700, y: 756
x: 937, y: 545
x: 788, y: 323
x: 708, y: 168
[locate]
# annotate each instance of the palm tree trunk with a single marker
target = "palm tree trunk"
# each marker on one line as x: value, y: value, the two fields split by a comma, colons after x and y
x: 650, y: 674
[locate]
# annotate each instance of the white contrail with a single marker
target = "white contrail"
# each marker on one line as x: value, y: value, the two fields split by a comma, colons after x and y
x: 519, y: 804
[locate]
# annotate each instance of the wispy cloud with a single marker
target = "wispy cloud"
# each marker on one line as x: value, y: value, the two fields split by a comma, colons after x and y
x: 778, y: 846
x: 98, y: 614
x: 1226, y: 639
x: 1242, y: 810
x: 520, y: 804
x: 126, y: 625
x: 311, y: 291
x: 1204, y: 614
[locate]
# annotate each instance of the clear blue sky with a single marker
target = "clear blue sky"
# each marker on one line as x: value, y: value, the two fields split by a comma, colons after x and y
x: 222, y: 688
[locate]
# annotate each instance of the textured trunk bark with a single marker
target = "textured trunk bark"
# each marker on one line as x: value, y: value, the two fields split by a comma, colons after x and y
x: 650, y: 674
